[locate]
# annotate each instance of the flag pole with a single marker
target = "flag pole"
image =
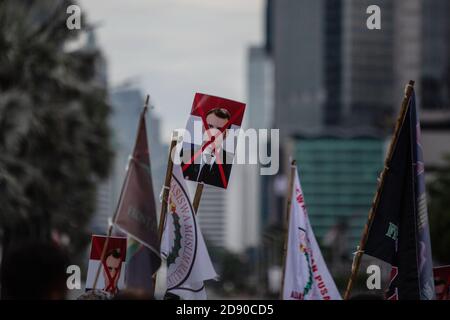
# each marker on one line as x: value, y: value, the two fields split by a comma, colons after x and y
x: 110, y: 227
x: 198, y: 196
x: 360, y: 249
x: 290, y: 190
x: 166, y: 187
x: 165, y: 194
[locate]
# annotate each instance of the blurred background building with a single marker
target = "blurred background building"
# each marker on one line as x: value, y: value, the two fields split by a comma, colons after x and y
x: 337, y: 92
x: 127, y: 103
x: 333, y: 88
x: 338, y: 176
x: 329, y: 84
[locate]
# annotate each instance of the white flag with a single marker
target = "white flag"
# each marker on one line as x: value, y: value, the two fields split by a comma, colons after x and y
x: 306, y: 274
x: 187, y: 259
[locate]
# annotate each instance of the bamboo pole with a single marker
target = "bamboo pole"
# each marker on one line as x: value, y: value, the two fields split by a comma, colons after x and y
x: 290, y: 190
x: 198, y: 196
x: 110, y: 227
x: 360, y: 249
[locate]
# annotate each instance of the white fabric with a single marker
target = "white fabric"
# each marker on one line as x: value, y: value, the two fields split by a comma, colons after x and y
x: 200, y: 267
x: 306, y: 274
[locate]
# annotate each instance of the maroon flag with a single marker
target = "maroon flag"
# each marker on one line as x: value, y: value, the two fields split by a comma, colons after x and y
x: 136, y: 215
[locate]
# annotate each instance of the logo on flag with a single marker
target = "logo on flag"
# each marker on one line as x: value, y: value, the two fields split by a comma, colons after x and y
x: 187, y: 259
x: 306, y: 275
x: 182, y: 227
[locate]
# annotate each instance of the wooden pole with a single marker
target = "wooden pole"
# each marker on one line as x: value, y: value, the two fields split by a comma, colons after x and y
x: 110, y: 227
x: 293, y: 168
x: 165, y: 194
x: 198, y: 196
x: 360, y: 249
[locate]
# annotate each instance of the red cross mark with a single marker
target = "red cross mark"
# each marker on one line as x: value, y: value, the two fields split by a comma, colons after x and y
x: 211, y: 140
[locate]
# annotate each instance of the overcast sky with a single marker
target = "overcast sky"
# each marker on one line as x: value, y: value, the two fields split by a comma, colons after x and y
x: 174, y: 48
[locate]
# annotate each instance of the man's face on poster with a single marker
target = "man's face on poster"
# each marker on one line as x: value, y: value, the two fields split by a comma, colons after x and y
x: 441, y: 290
x: 113, y: 263
x: 209, y: 143
x: 216, y: 120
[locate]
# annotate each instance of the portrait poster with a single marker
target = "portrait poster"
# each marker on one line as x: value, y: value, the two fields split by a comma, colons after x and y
x: 112, y: 271
x: 442, y: 282
x: 210, y: 138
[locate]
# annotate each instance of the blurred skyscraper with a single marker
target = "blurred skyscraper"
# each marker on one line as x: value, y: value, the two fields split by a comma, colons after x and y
x: 339, y: 177
x: 298, y: 55
x: 435, y: 72
x: 330, y: 69
x: 422, y: 53
x: 434, y: 81
x: 333, y: 89
x: 127, y: 103
x: 408, y: 46
x: 246, y: 190
x: 367, y: 65
x: 333, y: 75
x: 259, y: 88
x: 212, y: 216
x: 333, y: 27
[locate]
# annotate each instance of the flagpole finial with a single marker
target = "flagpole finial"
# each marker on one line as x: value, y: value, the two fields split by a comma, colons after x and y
x: 147, y: 101
x: 292, y: 161
x: 408, y: 87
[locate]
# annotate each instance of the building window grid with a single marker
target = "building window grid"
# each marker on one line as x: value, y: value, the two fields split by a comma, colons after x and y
x: 339, y: 179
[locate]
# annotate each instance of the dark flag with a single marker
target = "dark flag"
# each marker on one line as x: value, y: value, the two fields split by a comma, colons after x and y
x: 399, y: 233
x: 136, y: 215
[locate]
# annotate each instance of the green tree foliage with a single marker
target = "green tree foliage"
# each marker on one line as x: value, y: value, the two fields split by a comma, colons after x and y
x: 439, y: 212
x: 54, y: 137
